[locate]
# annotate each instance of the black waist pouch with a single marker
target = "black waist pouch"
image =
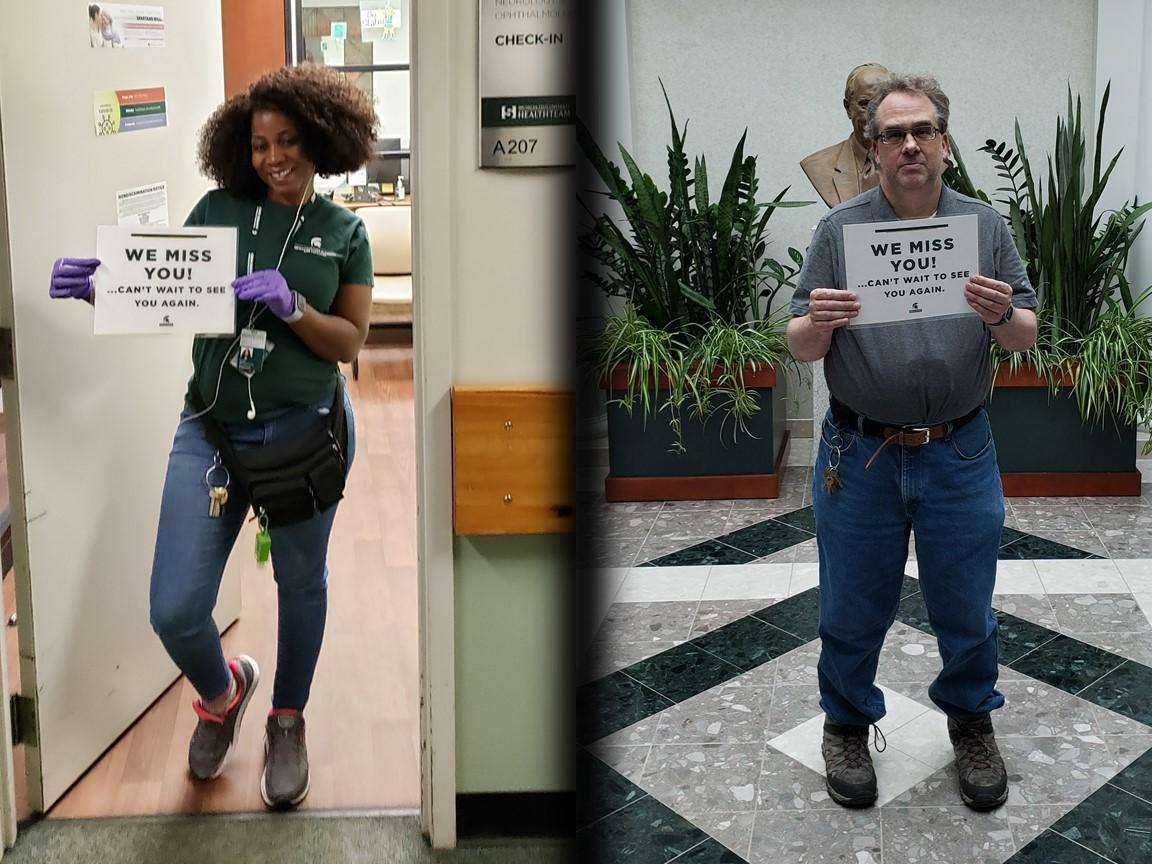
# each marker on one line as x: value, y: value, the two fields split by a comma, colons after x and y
x: 290, y: 480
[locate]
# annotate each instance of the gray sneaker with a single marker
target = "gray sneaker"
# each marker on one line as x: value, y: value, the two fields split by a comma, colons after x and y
x: 849, y: 774
x: 285, y: 781
x: 983, y: 777
x: 215, y: 736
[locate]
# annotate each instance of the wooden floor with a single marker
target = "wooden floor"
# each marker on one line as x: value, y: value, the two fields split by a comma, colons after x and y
x: 363, y: 717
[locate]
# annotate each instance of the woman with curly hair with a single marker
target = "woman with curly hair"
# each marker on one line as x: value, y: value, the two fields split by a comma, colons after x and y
x: 303, y: 297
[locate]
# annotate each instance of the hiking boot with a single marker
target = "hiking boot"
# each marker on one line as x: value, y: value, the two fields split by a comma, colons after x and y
x: 285, y: 780
x: 849, y: 773
x: 215, y: 734
x: 983, y: 778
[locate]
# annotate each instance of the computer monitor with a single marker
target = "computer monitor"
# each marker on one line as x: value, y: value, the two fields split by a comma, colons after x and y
x: 384, y: 169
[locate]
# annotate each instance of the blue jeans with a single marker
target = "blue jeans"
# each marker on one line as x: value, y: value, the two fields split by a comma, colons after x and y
x: 192, y: 549
x: 949, y: 492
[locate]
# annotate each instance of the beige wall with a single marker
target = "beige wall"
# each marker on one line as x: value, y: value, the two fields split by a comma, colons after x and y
x: 488, y: 300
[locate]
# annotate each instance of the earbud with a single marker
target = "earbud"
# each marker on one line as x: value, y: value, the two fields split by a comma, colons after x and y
x: 251, y: 413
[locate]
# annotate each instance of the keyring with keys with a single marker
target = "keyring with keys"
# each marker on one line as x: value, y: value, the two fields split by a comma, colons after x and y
x: 832, y: 480
x: 217, y: 494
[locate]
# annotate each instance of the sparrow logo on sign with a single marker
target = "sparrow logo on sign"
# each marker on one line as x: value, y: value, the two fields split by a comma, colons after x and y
x: 166, y: 321
x: 507, y: 112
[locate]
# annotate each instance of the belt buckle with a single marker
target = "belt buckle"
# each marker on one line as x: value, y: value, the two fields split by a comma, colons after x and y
x: 927, y: 430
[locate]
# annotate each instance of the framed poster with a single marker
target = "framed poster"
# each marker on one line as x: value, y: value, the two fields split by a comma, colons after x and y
x: 527, y: 90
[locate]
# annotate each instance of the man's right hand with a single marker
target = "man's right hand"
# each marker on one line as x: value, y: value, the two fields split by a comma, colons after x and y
x: 829, y: 309
x: 72, y: 278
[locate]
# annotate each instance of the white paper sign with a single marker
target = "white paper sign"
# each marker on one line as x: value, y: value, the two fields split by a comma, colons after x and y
x: 174, y: 280
x: 144, y: 205
x: 911, y: 269
x: 527, y: 88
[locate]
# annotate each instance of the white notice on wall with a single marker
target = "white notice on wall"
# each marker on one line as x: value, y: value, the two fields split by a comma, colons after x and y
x: 122, y: 25
x: 144, y: 205
x: 527, y: 89
x: 910, y: 269
x: 175, y: 280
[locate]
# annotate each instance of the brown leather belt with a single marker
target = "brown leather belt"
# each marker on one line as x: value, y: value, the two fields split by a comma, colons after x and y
x: 905, y: 436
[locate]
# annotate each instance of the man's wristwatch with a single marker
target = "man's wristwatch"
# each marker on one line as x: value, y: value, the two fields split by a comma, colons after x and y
x: 1005, y: 318
x: 298, y: 311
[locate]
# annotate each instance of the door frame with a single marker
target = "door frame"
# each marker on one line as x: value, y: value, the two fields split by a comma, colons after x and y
x: 433, y: 126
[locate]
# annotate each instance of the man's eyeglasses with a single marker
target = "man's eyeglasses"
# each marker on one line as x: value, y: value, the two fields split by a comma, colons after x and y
x: 923, y: 134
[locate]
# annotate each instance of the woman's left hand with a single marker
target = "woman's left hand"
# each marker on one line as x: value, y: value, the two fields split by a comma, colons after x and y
x: 267, y: 287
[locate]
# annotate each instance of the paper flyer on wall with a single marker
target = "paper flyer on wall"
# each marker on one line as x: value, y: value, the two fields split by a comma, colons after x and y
x: 910, y: 269
x: 144, y: 205
x: 123, y: 25
x: 118, y: 111
x: 165, y: 280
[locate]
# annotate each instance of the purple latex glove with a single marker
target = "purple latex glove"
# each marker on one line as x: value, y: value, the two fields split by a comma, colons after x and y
x: 72, y: 277
x: 267, y: 287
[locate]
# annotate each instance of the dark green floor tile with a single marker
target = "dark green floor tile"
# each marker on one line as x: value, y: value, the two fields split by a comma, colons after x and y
x: 708, y: 552
x: 612, y: 703
x: 1063, y: 662
x: 1113, y: 824
x: 1030, y: 548
x: 1011, y: 535
x: 909, y: 587
x: 683, y: 671
x: 747, y: 643
x: 1018, y: 637
x: 914, y: 613
x: 602, y: 790
x: 646, y: 832
x: 1051, y: 848
x: 1126, y: 690
x: 1137, y: 777
x: 711, y: 852
x: 804, y: 519
x: 798, y: 615
x: 766, y: 538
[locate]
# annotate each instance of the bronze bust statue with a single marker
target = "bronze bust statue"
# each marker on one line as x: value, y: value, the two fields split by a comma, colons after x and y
x: 844, y: 170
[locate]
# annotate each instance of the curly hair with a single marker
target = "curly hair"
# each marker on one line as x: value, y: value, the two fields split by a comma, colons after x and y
x: 335, y: 119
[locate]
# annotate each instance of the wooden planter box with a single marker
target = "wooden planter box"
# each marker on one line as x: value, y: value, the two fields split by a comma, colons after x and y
x: 1046, y: 449
x: 644, y: 467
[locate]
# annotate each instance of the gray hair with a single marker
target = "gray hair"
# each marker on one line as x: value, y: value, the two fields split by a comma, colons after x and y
x: 925, y: 85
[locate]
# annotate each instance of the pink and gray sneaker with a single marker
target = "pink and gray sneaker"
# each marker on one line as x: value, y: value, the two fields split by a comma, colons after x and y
x: 215, y: 735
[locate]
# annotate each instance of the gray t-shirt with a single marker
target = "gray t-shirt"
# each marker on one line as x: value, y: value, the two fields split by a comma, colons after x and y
x: 916, y: 372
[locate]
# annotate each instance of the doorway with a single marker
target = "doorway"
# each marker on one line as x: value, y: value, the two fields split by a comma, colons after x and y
x: 364, y: 720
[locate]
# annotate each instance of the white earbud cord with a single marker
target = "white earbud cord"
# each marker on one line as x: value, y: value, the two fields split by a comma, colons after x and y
x: 254, y: 314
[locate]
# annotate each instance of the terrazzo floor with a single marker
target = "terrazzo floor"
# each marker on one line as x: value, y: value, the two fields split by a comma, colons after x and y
x: 699, y: 720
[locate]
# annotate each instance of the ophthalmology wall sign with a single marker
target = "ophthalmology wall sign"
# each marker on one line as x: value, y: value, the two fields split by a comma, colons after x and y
x: 165, y: 280
x: 527, y: 94
x: 119, y: 111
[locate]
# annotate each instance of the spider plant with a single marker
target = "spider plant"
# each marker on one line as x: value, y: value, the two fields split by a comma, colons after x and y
x: 1076, y: 259
x: 696, y: 283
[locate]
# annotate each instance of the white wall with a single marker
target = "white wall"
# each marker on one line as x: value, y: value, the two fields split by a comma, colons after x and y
x: 778, y: 68
x: 1124, y: 57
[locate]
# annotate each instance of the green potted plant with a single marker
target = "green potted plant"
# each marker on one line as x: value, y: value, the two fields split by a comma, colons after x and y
x: 690, y: 355
x: 1089, y: 375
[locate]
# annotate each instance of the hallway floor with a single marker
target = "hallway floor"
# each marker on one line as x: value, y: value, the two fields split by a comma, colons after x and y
x: 699, y: 704
x: 363, y: 718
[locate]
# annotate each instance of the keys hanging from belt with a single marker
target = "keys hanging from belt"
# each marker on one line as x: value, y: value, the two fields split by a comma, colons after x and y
x: 217, y: 494
x: 832, y: 480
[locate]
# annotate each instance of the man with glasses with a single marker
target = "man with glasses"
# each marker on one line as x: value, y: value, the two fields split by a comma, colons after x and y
x: 906, y: 446
x: 844, y: 170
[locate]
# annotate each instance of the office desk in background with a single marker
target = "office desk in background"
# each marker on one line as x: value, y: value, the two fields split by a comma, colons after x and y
x: 380, y: 202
